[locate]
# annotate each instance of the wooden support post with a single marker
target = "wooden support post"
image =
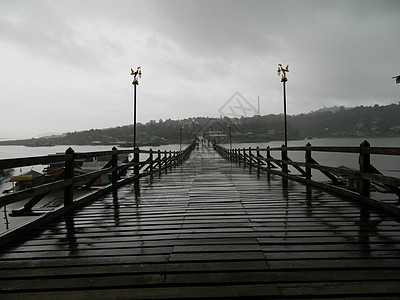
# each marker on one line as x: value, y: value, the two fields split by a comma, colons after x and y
x: 269, y: 165
x: 244, y: 157
x: 165, y: 161
x: 284, y: 159
x: 151, y: 161
x: 180, y: 157
x: 69, y: 174
x: 159, y: 162
x: 250, y: 160
x: 258, y: 161
x: 136, y: 158
x: 171, y: 159
x: 114, y: 175
x: 365, y: 162
x: 308, y: 161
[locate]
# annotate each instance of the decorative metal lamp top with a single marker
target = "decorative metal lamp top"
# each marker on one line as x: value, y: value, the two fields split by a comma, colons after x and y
x: 135, y: 74
x: 283, y: 70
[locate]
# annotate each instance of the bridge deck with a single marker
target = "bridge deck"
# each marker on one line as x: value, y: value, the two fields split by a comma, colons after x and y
x: 209, y: 229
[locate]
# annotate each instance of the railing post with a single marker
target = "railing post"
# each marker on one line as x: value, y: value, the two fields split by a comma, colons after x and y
x: 364, y: 161
x: 250, y: 160
x: 269, y: 165
x: 159, y: 162
x: 258, y: 161
x: 180, y: 155
x: 284, y: 159
x: 114, y: 174
x: 136, y: 157
x: 308, y: 161
x: 171, y: 159
x: 244, y: 157
x: 151, y: 161
x: 69, y: 174
x: 165, y: 161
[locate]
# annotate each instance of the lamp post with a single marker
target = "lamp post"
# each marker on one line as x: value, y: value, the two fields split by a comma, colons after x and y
x: 230, y: 136
x: 283, y: 80
x: 135, y: 82
x: 180, y: 137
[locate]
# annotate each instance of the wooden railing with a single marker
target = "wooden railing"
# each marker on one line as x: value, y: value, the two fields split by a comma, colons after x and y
x: 68, y: 181
x: 262, y: 159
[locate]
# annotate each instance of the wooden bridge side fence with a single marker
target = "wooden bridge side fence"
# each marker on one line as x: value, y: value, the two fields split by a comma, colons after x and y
x: 366, y: 174
x: 68, y: 181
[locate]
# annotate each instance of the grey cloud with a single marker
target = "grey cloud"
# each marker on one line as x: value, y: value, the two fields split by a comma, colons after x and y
x: 196, y: 54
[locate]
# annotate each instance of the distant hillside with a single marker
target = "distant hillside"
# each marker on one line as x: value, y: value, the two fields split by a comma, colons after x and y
x: 364, y: 121
x: 368, y: 121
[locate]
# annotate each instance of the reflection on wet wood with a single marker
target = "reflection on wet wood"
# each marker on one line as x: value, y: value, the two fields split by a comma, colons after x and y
x: 209, y: 229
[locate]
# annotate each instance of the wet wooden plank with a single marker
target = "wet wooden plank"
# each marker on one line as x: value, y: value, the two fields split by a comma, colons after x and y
x: 132, y: 268
x: 174, y: 292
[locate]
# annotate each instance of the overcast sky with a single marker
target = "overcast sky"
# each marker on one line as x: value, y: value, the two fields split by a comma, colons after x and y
x: 65, y: 65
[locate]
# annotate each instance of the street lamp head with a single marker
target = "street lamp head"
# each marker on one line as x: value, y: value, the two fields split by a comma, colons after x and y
x: 229, y: 125
x: 283, y: 70
x: 135, y: 74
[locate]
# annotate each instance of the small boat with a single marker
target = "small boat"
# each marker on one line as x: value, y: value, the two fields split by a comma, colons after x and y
x: 5, y: 173
x: 27, y: 180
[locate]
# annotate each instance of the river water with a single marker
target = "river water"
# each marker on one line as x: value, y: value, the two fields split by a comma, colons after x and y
x: 388, y: 165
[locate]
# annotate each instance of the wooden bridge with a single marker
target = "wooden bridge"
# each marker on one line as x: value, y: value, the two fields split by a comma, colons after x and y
x: 209, y: 228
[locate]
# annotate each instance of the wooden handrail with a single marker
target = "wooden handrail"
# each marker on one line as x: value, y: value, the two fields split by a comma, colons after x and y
x: 64, y: 182
x: 365, y: 175
x: 68, y: 158
x: 344, y: 149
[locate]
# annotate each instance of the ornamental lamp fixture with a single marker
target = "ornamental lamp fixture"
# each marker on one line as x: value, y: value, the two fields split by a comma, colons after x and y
x: 283, y: 71
x: 136, y: 73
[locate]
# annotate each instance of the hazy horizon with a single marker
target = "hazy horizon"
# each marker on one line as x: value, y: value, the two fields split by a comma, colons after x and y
x: 50, y: 133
